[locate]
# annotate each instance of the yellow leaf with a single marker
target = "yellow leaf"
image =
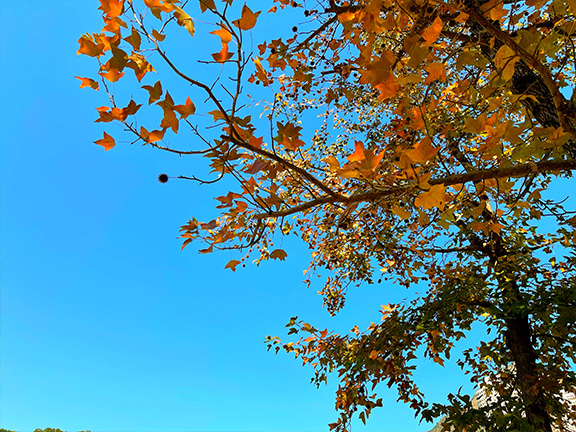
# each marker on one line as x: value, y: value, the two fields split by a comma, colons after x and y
x: 207, y: 4
x: 422, y: 151
x: 158, y: 36
x: 183, y: 19
x: 247, y: 20
x: 504, y: 60
x: 400, y: 212
x: 432, y: 198
x: 496, y: 11
x: 332, y: 162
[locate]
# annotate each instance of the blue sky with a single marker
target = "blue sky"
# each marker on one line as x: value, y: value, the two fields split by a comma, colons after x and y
x: 105, y: 324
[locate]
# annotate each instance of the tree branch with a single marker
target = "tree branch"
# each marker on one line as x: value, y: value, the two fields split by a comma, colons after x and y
x: 494, y: 173
x: 559, y: 101
x: 288, y: 165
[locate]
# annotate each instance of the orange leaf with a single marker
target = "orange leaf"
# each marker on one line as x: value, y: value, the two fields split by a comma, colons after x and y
x: 131, y: 108
x: 289, y: 136
x: 112, y: 8
x: 431, y: 33
x: 278, y: 254
x: 436, y: 71
x: 112, y: 75
x: 156, y: 135
x: 260, y: 72
x: 255, y: 142
x: 89, y: 47
x: 140, y: 65
x: 247, y: 20
x: 158, y: 4
x: 88, y: 82
x: 223, y: 55
x: 155, y: 92
x: 185, y: 110
x: 107, y: 142
x: 388, y: 86
x: 439, y: 361
x: 224, y: 35
x: 422, y: 151
x: 134, y: 39
x: 105, y: 114
x: 169, y: 120
x: 232, y: 264
x: 358, y: 154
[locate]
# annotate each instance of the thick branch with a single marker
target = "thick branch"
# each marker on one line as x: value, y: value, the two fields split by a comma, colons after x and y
x: 371, y: 196
x: 559, y: 100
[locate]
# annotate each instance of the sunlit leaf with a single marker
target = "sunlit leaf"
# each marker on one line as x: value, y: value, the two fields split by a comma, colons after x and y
x: 433, y: 198
x: 89, y: 47
x: 107, y: 142
x: 247, y: 20
x: 232, y: 264
x: 112, y: 75
x: 185, y: 110
x: 183, y: 19
x: 112, y: 8
x: 431, y: 33
x: 88, y: 82
x: 154, y: 91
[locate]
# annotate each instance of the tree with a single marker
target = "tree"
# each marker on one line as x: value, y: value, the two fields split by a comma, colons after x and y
x: 419, y: 140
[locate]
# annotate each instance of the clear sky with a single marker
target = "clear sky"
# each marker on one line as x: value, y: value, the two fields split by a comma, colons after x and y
x: 105, y: 324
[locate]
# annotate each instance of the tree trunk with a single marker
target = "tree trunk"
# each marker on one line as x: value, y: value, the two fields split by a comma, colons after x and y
x: 519, y: 342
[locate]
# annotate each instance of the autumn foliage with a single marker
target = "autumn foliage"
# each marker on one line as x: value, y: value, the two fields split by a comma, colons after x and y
x: 419, y: 142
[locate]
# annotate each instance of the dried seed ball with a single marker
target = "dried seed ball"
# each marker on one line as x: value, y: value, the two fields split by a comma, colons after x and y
x: 162, y: 178
x: 294, y: 29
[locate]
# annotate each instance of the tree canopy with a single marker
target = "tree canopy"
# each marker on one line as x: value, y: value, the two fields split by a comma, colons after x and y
x: 421, y: 142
